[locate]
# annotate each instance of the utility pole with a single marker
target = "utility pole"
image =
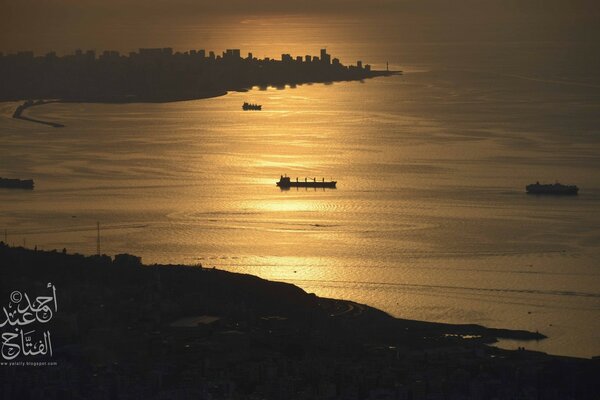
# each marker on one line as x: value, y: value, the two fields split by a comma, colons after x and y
x: 5, y: 237
x: 98, y: 238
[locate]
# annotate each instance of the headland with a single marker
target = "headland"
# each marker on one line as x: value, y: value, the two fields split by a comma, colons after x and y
x: 174, y: 331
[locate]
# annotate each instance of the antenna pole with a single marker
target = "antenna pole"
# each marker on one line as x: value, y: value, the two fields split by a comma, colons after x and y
x: 98, y: 238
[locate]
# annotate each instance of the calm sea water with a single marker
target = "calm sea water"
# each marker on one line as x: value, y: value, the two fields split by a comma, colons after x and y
x: 430, y: 220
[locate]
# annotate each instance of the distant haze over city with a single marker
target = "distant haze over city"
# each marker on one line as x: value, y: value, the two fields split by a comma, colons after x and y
x: 64, y: 25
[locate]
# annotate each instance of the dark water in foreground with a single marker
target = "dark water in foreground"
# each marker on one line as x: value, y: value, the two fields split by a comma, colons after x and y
x: 429, y: 221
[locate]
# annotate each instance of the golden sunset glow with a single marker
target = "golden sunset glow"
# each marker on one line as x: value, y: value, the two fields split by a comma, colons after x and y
x: 317, y: 199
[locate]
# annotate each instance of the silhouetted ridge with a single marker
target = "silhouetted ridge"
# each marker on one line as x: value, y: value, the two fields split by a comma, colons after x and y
x: 172, y: 331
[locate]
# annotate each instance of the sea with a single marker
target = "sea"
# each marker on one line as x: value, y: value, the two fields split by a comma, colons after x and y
x: 430, y: 219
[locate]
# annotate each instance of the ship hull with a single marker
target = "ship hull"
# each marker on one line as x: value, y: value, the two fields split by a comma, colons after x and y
x: 287, y: 185
x: 557, y: 190
x: 16, y: 183
x: 251, y: 107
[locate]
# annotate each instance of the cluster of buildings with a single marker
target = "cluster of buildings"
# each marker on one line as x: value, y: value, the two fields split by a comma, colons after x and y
x: 157, y: 54
x: 160, y: 74
x: 229, y: 363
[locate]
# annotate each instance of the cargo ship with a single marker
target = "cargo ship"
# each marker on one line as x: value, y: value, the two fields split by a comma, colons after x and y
x: 285, y: 183
x: 250, y: 106
x: 549, y: 188
x: 16, y: 183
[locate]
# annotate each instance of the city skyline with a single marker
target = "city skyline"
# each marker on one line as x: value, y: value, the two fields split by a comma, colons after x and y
x: 159, y: 74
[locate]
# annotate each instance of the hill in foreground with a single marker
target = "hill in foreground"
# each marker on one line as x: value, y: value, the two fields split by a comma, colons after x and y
x: 122, y: 329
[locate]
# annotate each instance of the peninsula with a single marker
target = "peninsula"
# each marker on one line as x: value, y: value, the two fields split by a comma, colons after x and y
x: 160, y: 75
x: 130, y: 330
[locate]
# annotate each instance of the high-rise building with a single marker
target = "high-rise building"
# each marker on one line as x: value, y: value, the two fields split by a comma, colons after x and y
x: 232, y: 54
x: 325, y: 58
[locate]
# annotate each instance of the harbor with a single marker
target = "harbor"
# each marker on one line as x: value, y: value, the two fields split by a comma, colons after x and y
x: 18, y: 114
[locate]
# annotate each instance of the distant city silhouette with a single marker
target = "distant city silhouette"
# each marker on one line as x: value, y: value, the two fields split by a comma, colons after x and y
x: 159, y: 74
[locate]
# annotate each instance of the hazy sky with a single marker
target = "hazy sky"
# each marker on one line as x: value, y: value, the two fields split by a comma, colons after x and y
x: 43, y: 25
x: 234, y: 6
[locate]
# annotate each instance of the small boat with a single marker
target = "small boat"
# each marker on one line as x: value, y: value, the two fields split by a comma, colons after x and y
x: 16, y: 183
x: 250, y: 106
x: 549, y: 188
x: 285, y: 183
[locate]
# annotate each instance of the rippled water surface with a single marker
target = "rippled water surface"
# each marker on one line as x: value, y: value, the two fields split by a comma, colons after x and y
x: 429, y: 221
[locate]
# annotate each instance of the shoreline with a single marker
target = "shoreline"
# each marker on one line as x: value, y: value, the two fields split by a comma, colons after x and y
x: 135, y: 99
x: 472, y: 333
x: 18, y: 113
x: 126, y: 99
x: 199, y: 329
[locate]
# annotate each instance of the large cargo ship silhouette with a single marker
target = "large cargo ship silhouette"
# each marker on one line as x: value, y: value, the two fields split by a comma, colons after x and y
x: 549, y: 188
x: 285, y: 183
x: 250, y: 107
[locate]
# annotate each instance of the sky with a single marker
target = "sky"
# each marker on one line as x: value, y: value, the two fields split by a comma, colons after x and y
x: 63, y: 25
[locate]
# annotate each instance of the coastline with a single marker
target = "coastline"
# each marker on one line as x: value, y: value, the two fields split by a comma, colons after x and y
x: 35, y: 260
x: 203, y: 328
x: 18, y: 113
x: 139, y: 99
x: 130, y: 99
x: 196, y: 95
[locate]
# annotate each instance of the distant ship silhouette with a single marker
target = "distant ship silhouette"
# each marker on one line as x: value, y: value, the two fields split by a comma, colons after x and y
x: 549, y: 188
x: 285, y: 182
